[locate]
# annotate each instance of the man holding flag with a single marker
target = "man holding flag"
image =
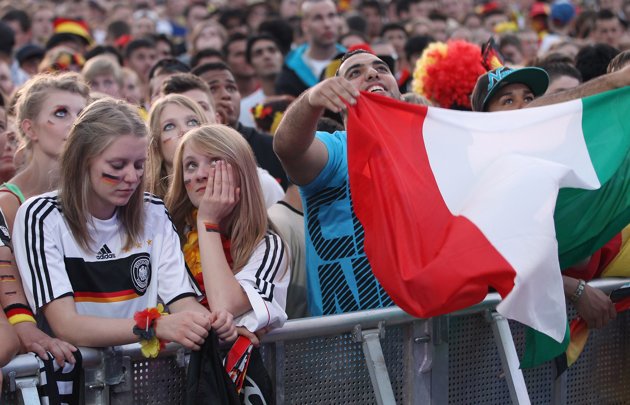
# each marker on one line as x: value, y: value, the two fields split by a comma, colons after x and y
x: 340, y: 278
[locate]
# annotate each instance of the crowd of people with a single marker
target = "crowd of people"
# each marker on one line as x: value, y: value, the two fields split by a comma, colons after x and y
x: 192, y: 154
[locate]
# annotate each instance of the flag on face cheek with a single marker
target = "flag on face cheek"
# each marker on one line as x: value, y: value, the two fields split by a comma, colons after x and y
x: 455, y: 202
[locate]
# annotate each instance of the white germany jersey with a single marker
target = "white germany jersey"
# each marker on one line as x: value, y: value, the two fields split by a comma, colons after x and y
x: 110, y: 281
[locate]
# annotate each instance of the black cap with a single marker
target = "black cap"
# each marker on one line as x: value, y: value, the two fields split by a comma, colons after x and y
x: 29, y: 51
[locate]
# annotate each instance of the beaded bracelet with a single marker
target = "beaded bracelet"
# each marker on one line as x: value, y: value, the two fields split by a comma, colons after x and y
x: 18, y: 313
x: 146, y: 320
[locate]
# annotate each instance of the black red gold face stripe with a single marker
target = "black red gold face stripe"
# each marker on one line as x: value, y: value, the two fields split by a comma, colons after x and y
x: 110, y: 178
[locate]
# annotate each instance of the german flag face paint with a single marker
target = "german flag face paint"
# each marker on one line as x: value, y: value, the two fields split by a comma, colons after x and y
x: 187, y: 183
x: 110, y: 179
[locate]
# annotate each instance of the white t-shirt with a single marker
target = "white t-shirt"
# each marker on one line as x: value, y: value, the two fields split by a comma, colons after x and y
x: 109, y: 281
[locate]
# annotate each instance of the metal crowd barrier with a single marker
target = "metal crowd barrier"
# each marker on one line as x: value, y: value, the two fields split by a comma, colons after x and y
x: 379, y: 356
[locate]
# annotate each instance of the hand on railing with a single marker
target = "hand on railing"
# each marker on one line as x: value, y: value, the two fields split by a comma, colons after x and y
x: 595, y: 308
x: 188, y: 328
x: 34, y: 340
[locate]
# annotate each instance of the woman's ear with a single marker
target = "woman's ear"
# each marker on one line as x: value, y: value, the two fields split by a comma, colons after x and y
x: 27, y: 128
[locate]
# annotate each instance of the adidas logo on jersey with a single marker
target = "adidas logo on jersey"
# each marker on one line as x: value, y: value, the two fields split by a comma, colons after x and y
x: 105, y: 253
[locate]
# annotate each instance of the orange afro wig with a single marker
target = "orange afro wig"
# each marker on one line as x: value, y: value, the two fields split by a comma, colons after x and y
x: 446, y: 73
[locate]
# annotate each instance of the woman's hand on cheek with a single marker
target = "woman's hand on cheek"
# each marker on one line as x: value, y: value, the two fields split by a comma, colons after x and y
x: 221, y: 194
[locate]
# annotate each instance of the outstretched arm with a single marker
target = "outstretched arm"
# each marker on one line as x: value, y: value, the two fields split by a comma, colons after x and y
x: 600, y: 84
x: 302, y: 155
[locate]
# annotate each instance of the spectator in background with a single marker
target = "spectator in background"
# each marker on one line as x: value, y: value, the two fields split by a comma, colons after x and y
x: 7, y: 43
x: 305, y: 64
x: 608, y: 29
x: 396, y: 35
x: 263, y: 54
x: 164, y: 47
x: 29, y: 57
x: 140, y: 56
x: 227, y: 101
x: 413, y: 50
x: 132, y: 87
x: 162, y: 71
x: 352, y: 38
x: 592, y: 60
x: 208, y: 34
x: 6, y: 83
x: 208, y: 55
x: 234, y: 51
x: 562, y: 76
x: 511, y: 49
x: 529, y: 43
x: 144, y: 23
x: 42, y: 24
x: 421, y: 8
x: 194, y: 88
x: 256, y: 12
x: 233, y: 20
x: 372, y: 11
x: 104, y: 75
x: 281, y: 30
x: 20, y: 23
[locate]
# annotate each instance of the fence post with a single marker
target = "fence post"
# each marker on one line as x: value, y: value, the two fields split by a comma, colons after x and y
x: 509, y: 358
x: 27, y: 387
x: 371, y: 341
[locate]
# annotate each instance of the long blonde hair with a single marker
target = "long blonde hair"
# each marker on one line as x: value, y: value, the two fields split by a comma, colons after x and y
x: 98, y: 125
x: 157, y: 175
x: 248, y: 222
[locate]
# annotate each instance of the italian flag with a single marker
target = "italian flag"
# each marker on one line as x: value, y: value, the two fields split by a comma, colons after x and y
x: 453, y: 202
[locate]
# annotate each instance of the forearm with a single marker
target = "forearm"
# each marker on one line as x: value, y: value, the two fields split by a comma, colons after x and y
x: 600, y: 84
x: 87, y: 330
x: 11, y: 289
x: 10, y: 342
x: 296, y: 131
x: 222, y: 289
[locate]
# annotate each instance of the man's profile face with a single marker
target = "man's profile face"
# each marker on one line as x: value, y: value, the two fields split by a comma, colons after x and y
x: 368, y: 73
